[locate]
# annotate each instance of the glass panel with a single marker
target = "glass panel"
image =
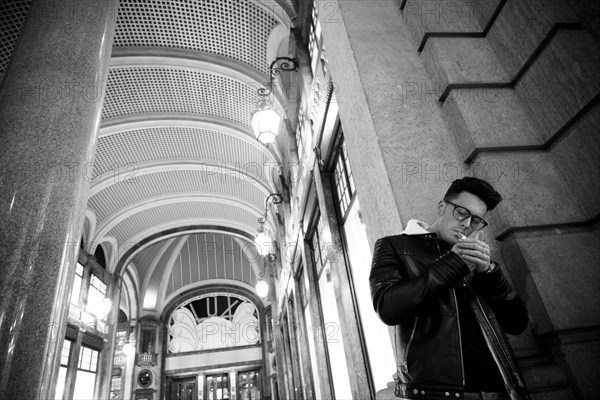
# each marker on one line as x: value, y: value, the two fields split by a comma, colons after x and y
x: 84, y: 385
x: 319, y: 247
x: 313, y: 355
x: 333, y: 337
x: 64, y: 358
x: 97, y: 284
x: 341, y: 185
x: 248, y: 385
x: 97, y: 291
x: 348, y: 169
x: 77, y: 284
x: 88, y: 359
x: 376, y: 335
x: 305, y: 288
x: 60, y: 383
x: 344, y: 183
x: 217, y: 387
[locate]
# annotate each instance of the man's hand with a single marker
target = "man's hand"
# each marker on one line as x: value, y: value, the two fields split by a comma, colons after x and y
x: 475, y: 253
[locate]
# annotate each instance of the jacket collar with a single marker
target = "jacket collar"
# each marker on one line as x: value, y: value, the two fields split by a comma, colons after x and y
x: 415, y: 227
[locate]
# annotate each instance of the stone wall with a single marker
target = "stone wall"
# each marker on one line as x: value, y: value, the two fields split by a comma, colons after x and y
x: 505, y: 90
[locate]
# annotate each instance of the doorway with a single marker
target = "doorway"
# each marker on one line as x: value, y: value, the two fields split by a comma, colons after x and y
x: 248, y: 385
x: 183, y: 389
x: 216, y: 387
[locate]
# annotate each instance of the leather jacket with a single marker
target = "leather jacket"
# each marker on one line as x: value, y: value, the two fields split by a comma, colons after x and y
x: 412, y: 287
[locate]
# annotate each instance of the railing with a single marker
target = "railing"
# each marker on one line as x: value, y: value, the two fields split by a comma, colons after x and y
x: 146, y: 358
x: 120, y: 360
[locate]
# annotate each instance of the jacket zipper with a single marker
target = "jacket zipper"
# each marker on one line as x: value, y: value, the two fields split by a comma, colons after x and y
x: 462, y: 364
x: 460, y: 346
x: 514, y: 373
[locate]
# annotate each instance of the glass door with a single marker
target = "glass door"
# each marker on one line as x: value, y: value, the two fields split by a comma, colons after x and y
x: 216, y: 387
x: 183, y: 389
x: 248, y: 385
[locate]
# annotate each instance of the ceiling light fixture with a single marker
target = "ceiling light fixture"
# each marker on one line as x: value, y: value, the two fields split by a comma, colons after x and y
x: 265, y: 120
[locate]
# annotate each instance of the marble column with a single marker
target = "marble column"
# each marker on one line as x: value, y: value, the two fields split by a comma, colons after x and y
x: 50, y: 104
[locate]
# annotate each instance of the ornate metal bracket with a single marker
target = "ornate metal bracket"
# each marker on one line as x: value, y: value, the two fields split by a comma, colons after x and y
x: 276, y: 198
x: 288, y: 64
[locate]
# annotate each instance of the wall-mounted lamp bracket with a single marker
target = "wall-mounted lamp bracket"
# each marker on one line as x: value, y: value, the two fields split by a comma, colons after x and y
x: 287, y: 64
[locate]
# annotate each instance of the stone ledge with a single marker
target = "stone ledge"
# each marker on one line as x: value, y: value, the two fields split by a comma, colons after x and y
x: 561, y: 81
x: 557, y: 276
x: 522, y: 25
x: 488, y: 118
x: 435, y: 18
x: 534, y: 190
x: 462, y: 61
x: 576, y: 156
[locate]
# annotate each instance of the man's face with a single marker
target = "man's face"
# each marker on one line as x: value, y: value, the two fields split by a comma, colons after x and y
x: 450, y: 227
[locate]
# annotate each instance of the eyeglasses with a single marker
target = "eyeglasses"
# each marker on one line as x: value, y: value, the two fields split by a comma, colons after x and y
x: 461, y: 213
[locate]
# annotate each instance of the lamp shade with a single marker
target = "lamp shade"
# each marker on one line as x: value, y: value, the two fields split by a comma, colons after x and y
x: 265, y: 123
x: 262, y: 288
x: 262, y: 241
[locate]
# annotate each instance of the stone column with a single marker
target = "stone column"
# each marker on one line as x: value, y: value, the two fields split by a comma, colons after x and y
x: 50, y: 104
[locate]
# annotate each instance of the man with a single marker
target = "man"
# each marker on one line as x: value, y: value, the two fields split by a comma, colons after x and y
x: 450, y: 304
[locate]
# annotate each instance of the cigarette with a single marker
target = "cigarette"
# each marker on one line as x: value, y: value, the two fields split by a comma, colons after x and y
x: 462, y: 236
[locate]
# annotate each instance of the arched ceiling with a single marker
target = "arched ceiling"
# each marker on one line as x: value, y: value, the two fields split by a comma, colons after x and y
x: 175, y: 146
x: 169, y: 267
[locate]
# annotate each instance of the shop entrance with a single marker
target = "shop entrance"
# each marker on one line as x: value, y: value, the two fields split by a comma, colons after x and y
x: 216, y: 387
x: 248, y: 385
x: 183, y: 389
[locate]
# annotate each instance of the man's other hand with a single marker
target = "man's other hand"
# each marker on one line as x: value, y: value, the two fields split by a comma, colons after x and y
x: 475, y: 253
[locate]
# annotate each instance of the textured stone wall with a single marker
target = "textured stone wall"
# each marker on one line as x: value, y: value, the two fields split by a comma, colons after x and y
x: 501, y: 89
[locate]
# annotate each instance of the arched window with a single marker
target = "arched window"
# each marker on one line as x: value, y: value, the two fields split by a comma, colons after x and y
x: 212, y: 321
x: 100, y: 256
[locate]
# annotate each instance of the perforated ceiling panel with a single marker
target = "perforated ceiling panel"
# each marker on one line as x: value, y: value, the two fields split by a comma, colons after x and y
x: 238, y: 29
x: 136, y: 90
x: 182, y: 213
x: 172, y: 144
x: 12, y: 16
x: 205, y: 183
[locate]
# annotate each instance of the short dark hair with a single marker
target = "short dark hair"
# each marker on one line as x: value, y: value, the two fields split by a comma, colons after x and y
x: 477, y: 187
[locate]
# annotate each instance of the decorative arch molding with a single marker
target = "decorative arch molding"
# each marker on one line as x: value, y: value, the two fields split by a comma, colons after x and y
x: 147, y: 302
x: 89, y: 227
x: 177, y: 233
x: 212, y: 287
x: 110, y: 246
x: 284, y: 14
x: 156, y: 282
x: 220, y: 283
x: 114, y: 220
x: 125, y: 123
x: 170, y: 232
x: 121, y: 123
x: 206, y: 166
x: 184, y: 58
x: 128, y: 289
x: 175, y: 224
